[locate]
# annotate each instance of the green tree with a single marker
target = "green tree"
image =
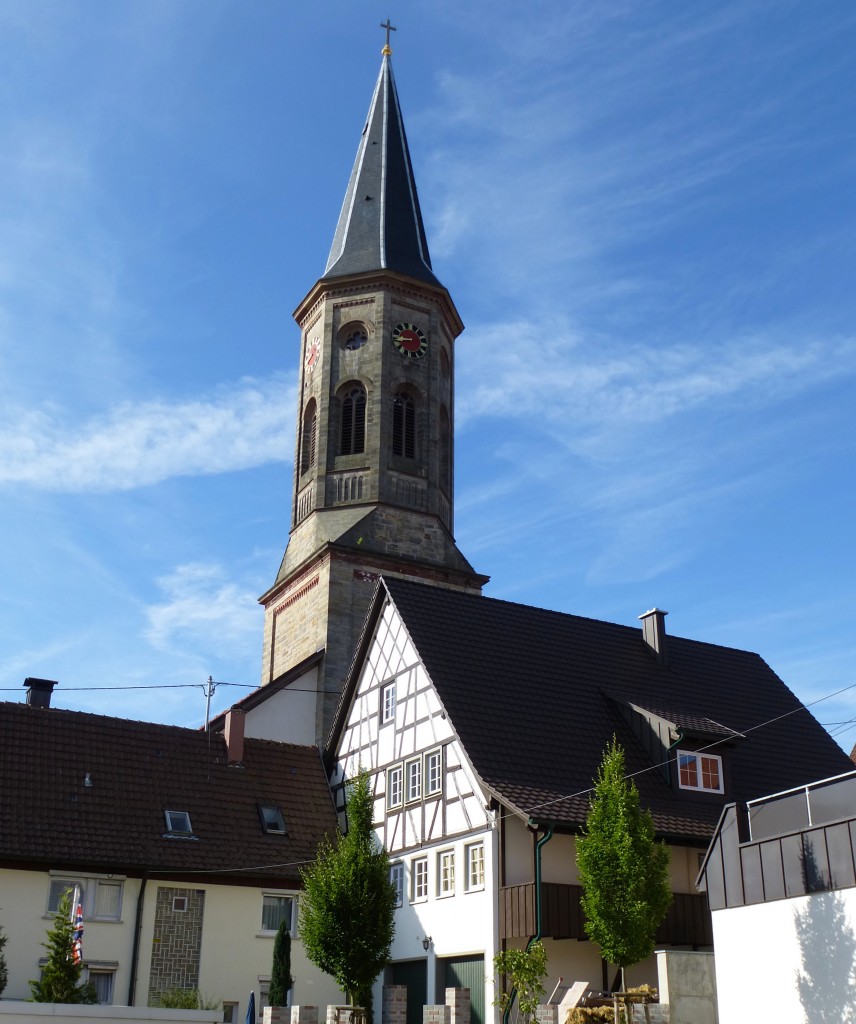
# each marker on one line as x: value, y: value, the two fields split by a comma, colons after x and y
x: 525, y: 970
x: 184, y: 999
x: 60, y: 980
x: 623, y: 871
x: 348, y: 905
x: 4, y: 973
x: 280, y: 975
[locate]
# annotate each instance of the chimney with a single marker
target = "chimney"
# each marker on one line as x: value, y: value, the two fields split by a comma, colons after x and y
x: 234, y: 735
x: 654, y: 632
x: 39, y: 691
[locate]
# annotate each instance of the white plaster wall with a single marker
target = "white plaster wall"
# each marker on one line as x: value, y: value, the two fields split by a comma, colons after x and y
x: 234, y: 955
x: 519, y: 863
x: 25, y: 921
x: 288, y: 715
x: 759, y: 958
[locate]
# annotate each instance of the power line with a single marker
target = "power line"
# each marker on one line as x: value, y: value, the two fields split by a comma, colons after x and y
x: 715, y: 743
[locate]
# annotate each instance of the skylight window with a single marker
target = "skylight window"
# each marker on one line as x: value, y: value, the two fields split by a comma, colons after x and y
x: 178, y: 822
x: 271, y: 818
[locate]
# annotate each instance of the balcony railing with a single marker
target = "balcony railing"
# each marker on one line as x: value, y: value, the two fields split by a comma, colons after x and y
x: 687, y: 923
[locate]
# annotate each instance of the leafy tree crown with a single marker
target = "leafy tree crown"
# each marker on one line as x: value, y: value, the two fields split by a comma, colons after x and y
x: 623, y: 870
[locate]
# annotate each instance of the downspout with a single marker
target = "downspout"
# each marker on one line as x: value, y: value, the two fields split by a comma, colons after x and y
x: 135, y: 953
x: 548, y: 835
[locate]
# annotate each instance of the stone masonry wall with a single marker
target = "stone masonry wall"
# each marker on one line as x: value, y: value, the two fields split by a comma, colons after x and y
x: 177, y: 940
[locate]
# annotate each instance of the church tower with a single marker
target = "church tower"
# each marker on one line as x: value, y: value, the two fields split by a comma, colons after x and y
x: 374, y: 458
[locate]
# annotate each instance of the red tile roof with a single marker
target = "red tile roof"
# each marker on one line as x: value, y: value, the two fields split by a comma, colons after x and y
x: 50, y: 815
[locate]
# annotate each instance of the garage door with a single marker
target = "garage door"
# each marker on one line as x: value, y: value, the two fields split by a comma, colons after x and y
x: 467, y: 972
x: 413, y: 974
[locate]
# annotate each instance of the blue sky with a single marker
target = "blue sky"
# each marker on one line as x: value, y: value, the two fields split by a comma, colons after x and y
x: 644, y: 212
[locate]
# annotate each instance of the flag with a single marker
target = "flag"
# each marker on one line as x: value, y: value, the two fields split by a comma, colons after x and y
x: 251, y: 1009
x: 77, y: 921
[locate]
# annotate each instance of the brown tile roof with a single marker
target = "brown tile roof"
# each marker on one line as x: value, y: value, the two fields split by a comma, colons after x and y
x: 49, y: 816
x: 526, y: 690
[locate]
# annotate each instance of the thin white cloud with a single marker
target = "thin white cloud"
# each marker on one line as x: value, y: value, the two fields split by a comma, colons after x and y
x: 618, y: 386
x: 203, y: 610
x: 241, y: 426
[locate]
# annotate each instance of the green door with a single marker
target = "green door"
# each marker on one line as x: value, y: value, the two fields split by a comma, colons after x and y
x: 413, y: 974
x: 467, y: 972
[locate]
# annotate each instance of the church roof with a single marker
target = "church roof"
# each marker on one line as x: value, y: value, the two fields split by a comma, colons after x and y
x: 380, y: 226
x: 535, y: 696
x: 90, y: 791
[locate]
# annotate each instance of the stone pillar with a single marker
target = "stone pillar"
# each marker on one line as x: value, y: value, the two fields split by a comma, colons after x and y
x: 276, y: 1015
x: 344, y: 1014
x: 458, y: 1001
x: 547, y: 1013
x: 394, y: 1005
x: 436, y: 1015
x: 304, y: 1014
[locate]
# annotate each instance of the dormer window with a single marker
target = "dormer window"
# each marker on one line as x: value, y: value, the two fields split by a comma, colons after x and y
x: 178, y: 822
x: 271, y: 819
x: 701, y: 772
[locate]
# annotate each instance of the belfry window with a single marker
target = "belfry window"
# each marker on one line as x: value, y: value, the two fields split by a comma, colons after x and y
x: 352, y: 437
x: 403, y: 426
x: 309, y: 440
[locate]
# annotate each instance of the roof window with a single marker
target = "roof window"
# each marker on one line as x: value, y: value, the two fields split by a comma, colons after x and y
x: 271, y: 818
x: 178, y: 822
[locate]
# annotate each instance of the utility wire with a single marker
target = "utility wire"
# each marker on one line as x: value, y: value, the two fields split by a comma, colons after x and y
x: 710, y: 746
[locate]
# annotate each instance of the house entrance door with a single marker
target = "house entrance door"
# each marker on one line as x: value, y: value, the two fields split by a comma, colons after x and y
x: 467, y: 972
x: 413, y: 974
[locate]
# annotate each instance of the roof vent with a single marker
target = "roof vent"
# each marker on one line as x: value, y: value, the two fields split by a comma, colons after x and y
x: 654, y: 632
x: 39, y: 691
x: 234, y: 735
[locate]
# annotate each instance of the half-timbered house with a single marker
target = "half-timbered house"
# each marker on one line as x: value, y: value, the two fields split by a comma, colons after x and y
x: 482, y: 724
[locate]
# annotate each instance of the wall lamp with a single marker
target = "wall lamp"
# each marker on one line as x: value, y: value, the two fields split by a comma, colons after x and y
x: 426, y: 943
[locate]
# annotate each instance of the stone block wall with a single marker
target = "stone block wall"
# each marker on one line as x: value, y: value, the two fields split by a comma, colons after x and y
x: 436, y: 1015
x: 177, y: 940
x: 459, y: 1002
x: 394, y: 1005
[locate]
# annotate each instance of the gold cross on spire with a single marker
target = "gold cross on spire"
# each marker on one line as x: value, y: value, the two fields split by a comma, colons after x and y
x: 387, y: 50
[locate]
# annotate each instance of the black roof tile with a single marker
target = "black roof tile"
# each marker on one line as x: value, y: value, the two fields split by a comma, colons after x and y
x: 531, y: 694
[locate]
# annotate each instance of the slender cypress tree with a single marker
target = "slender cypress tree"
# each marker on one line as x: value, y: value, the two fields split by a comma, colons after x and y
x: 348, y: 904
x: 280, y: 975
x: 4, y: 973
x: 60, y: 980
x: 624, y: 871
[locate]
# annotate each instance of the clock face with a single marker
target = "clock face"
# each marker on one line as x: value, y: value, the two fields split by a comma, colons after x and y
x: 312, y: 354
x: 409, y: 341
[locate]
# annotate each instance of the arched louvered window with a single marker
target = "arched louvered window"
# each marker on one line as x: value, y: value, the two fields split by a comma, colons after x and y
x: 404, y: 425
x: 352, y: 436
x: 309, y: 437
x: 445, y: 451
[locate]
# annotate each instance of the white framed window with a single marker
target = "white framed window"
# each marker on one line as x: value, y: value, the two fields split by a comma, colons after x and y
x: 413, y: 779
x: 59, y: 887
x: 433, y: 772
x: 700, y: 771
x: 474, y: 866
x: 446, y: 873
x: 179, y: 904
x: 230, y: 1012
x: 394, y: 786
x: 101, y: 898
x: 396, y: 877
x: 419, y: 879
x: 387, y: 703
x: 102, y: 981
x: 275, y: 910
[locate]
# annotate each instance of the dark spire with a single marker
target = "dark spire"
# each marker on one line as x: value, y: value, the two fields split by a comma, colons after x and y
x: 380, y: 226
